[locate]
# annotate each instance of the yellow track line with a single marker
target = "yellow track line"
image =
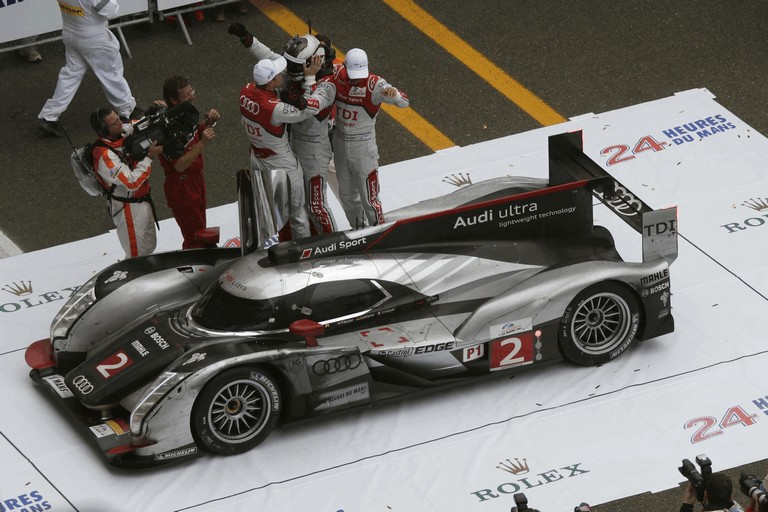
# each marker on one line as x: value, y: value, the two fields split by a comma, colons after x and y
x: 476, y: 61
x: 409, y: 118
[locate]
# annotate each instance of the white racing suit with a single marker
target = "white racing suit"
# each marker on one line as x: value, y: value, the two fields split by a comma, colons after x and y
x: 133, y: 215
x: 89, y: 44
x: 264, y: 119
x: 355, y: 153
x: 311, y: 142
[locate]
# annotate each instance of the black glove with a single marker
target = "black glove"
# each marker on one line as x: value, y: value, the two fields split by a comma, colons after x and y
x: 294, y: 99
x: 239, y: 30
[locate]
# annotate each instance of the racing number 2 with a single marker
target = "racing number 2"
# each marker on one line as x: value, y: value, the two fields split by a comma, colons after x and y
x: 114, y: 364
x: 513, y: 351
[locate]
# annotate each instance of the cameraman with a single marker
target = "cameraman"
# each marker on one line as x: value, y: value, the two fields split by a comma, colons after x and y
x: 130, y: 201
x: 184, y: 181
x: 717, y: 495
x: 754, y: 488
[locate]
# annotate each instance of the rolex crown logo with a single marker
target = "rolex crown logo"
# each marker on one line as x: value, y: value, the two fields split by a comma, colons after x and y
x: 19, y: 289
x: 458, y: 180
x: 759, y: 204
x: 516, y: 468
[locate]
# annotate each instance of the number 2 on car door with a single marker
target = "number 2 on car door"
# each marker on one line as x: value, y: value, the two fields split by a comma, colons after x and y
x: 513, y: 351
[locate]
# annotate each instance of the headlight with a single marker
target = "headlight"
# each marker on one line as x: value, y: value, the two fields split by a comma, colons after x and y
x: 83, y: 298
x: 155, y: 392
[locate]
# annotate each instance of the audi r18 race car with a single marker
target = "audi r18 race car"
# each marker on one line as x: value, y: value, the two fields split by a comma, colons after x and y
x: 165, y: 356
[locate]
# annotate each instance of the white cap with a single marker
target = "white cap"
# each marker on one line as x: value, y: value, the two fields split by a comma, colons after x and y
x: 356, y: 63
x: 266, y: 70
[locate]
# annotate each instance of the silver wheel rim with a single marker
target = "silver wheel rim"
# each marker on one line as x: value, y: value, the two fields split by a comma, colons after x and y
x: 601, y: 323
x: 239, y: 411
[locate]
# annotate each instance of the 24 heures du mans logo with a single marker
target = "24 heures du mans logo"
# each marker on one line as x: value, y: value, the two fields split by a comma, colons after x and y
x: 755, y: 220
x: 512, y: 485
x: 26, y: 297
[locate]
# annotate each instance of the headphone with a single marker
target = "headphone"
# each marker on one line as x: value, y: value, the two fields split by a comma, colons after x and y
x: 97, y: 121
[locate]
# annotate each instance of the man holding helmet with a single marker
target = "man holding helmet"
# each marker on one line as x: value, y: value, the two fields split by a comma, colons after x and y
x: 265, y: 118
x: 309, y: 139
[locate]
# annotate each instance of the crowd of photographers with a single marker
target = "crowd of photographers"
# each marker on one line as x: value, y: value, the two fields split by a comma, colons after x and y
x: 715, y: 490
x: 304, y: 112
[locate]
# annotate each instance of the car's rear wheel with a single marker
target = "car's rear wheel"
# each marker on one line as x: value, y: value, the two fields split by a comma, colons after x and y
x: 236, y: 410
x: 599, y: 324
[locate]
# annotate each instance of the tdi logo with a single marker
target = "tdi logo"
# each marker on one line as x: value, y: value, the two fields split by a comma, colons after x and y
x: 660, y: 228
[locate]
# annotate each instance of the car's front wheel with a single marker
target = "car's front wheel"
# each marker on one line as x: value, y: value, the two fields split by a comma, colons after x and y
x: 599, y: 324
x: 236, y: 410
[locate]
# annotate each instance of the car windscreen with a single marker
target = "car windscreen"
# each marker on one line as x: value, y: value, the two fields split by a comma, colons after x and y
x: 218, y: 309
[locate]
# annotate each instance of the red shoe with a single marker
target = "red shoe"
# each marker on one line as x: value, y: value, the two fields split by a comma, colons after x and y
x: 199, y: 16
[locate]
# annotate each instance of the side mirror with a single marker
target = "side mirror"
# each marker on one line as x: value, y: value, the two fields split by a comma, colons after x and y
x: 309, y: 329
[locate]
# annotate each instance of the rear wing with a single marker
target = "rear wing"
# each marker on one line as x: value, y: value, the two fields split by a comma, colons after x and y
x: 568, y: 163
x: 562, y: 209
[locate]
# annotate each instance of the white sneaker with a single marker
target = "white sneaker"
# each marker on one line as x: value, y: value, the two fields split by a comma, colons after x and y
x: 31, y: 54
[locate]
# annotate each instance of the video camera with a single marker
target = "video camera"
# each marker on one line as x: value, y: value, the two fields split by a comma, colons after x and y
x: 753, y: 487
x: 696, y: 477
x: 171, y: 128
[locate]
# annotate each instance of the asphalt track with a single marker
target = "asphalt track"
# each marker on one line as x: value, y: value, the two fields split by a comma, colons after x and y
x: 474, y: 71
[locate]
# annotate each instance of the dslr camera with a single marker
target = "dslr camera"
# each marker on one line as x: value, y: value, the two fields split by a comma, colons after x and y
x: 753, y: 487
x: 696, y: 477
x: 521, y: 503
x: 170, y: 127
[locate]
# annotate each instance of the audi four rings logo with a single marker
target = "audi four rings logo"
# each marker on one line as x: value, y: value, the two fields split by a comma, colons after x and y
x: 249, y: 105
x: 337, y: 364
x: 149, y: 330
x: 82, y: 384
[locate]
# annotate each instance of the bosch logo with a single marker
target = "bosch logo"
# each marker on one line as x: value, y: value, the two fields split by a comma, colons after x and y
x: 82, y: 384
x: 249, y: 105
x: 337, y: 364
x: 149, y: 330
x: 658, y: 288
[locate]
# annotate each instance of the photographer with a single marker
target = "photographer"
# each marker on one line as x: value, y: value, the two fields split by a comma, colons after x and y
x: 717, y: 492
x: 127, y: 180
x: 754, y: 488
x: 184, y: 181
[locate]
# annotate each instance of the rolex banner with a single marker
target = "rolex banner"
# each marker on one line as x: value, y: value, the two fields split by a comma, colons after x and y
x: 561, y: 434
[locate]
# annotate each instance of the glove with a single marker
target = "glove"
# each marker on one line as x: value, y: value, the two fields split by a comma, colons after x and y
x: 239, y: 30
x: 294, y: 99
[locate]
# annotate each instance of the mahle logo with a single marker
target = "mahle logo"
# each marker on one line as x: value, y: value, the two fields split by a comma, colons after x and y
x: 513, y: 486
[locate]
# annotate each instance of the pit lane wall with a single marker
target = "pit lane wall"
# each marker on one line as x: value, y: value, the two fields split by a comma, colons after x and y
x: 561, y: 435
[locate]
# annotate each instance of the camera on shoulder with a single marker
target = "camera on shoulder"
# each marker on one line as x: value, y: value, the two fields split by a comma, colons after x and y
x: 171, y: 128
x: 696, y: 477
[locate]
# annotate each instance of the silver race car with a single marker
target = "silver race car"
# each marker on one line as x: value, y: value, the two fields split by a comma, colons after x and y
x: 166, y: 356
